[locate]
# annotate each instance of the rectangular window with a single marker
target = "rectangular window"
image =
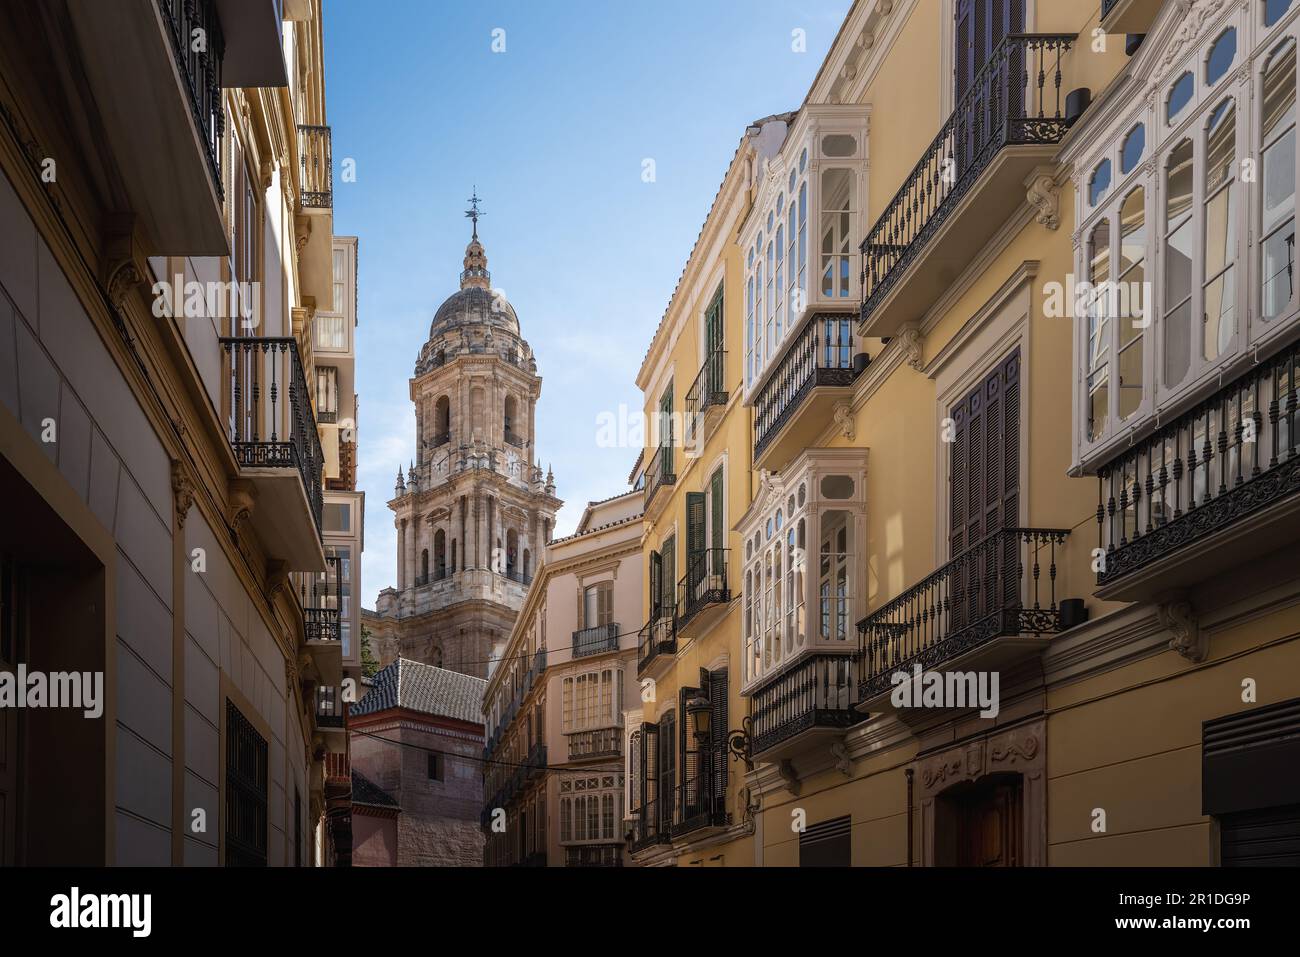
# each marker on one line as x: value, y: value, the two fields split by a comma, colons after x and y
x: 340, y: 281
x: 327, y: 394
x: 246, y: 792
x: 598, y: 605
x: 435, y: 769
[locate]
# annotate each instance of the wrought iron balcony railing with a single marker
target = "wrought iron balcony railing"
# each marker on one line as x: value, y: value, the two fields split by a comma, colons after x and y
x: 317, y: 167
x: 818, y: 692
x: 600, y: 743
x: 657, y: 637
x: 821, y: 355
x: 705, y: 583
x: 331, y: 711
x: 271, y: 423
x: 200, y: 69
x: 993, y: 589
x: 519, y: 577
x: 647, y: 828
x: 594, y: 855
x: 708, y: 391
x: 659, y: 473
x: 1015, y: 99
x: 321, y: 594
x: 595, y: 640
x: 1226, y: 459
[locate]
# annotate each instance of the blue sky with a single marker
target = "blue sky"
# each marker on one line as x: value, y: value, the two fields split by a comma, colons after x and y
x: 553, y: 133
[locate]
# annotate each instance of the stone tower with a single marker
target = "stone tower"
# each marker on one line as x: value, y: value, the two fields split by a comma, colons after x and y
x: 474, y: 508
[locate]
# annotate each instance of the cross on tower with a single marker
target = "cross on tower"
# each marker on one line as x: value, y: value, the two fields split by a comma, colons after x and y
x: 473, y: 212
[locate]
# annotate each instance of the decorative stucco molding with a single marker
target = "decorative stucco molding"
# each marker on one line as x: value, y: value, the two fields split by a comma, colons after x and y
x: 1186, y: 637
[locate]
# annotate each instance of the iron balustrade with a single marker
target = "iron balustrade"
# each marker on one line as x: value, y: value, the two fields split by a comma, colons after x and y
x: 1227, y: 458
x: 200, y: 71
x: 659, y: 473
x: 992, y: 589
x: 331, y: 711
x: 320, y: 595
x: 267, y: 427
x: 519, y: 577
x: 598, y: 743
x: 316, y: 163
x: 709, y: 390
x: 705, y: 583
x: 327, y: 417
x: 595, y: 640
x: 657, y: 637
x: 594, y: 855
x: 819, y: 691
x: 1009, y: 102
x: 821, y: 355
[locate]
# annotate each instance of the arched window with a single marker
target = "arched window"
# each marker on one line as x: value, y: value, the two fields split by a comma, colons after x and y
x: 511, y: 413
x: 1131, y: 152
x: 1099, y: 184
x: 1179, y: 240
x: 442, y: 420
x: 512, y: 552
x: 1098, y: 331
x: 1180, y: 94
x: 440, y: 553
x: 1133, y: 305
x: 424, y: 566
x: 453, y: 566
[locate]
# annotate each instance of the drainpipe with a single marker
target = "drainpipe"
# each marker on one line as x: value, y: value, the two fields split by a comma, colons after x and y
x: 908, y: 772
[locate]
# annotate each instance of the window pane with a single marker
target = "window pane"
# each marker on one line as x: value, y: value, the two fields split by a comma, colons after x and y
x: 1130, y: 378
x: 1222, y: 54
x: 1180, y: 95
x: 1273, y: 10
x: 1279, y: 268
x: 1178, y: 342
x: 1133, y: 234
x: 1178, y: 186
x: 1098, y: 403
x: 1134, y: 144
x: 1100, y: 183
x: 1219, y: 315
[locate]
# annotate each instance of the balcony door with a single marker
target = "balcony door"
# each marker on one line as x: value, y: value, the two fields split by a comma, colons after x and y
x: 984, y: 494
x: 982, y: 26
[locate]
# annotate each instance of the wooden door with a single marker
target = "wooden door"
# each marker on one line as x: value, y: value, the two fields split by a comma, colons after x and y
x: 990, y: 831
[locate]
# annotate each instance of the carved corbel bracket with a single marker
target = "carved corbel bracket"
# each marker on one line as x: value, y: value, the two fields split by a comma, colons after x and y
x: 183, y: 491
x: 1186, y: 637
x: 843, y: 763
x: 788, y: 775
x: 241, y: 498
x: 844, y: 421
x: 1044, y: 196
x: 912, y: 343
x: 277, y: 577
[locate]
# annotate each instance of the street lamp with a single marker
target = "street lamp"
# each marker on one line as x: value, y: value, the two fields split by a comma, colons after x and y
x: 700, y: 712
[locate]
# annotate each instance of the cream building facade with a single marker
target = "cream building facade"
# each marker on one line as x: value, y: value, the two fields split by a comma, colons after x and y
x: 161, y: 455
x: 553, y: 775
x: 962, y: 278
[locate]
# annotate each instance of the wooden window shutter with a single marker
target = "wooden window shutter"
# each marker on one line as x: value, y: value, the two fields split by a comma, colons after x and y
x: 985, y: 473
x: 604, y: 604
x: 695, y: 541
x: 656, y: 585
x: 716, y: 517
x: 717, y: 690
x: 649, y: 781
x: 668, y: 577
x: 667, y: 768
x: 689, y: 793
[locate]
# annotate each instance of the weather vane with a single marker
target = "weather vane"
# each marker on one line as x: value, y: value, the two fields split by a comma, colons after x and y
x: 473, y: 212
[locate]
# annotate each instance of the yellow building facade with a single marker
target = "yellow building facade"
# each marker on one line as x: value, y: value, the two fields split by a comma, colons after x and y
x: 1005, y: 578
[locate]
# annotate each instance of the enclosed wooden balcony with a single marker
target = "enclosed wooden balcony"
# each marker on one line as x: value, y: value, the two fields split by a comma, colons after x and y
x: 1207, y: 490
x: 967, y: 183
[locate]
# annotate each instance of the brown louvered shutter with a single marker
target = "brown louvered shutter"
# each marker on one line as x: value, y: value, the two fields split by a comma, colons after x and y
x: 667, y: 769
x: 696, y: 530
x: 649, y: 781
x: 717, y: 685
x: 689, y: 749
x: 656, y: 585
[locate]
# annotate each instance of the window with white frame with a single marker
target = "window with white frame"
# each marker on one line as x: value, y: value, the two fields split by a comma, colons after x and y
x: 795, y: 600
x: 1178, y: 290
x: 593, y: 699
x: 591, y: 808
x: 801, y: 240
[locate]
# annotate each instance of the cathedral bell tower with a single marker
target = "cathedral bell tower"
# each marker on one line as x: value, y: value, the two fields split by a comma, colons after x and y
x: 474, y: 508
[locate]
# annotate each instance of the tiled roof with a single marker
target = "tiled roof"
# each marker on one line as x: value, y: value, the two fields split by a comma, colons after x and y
x: 418, y: 687
x: 366, y: 791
